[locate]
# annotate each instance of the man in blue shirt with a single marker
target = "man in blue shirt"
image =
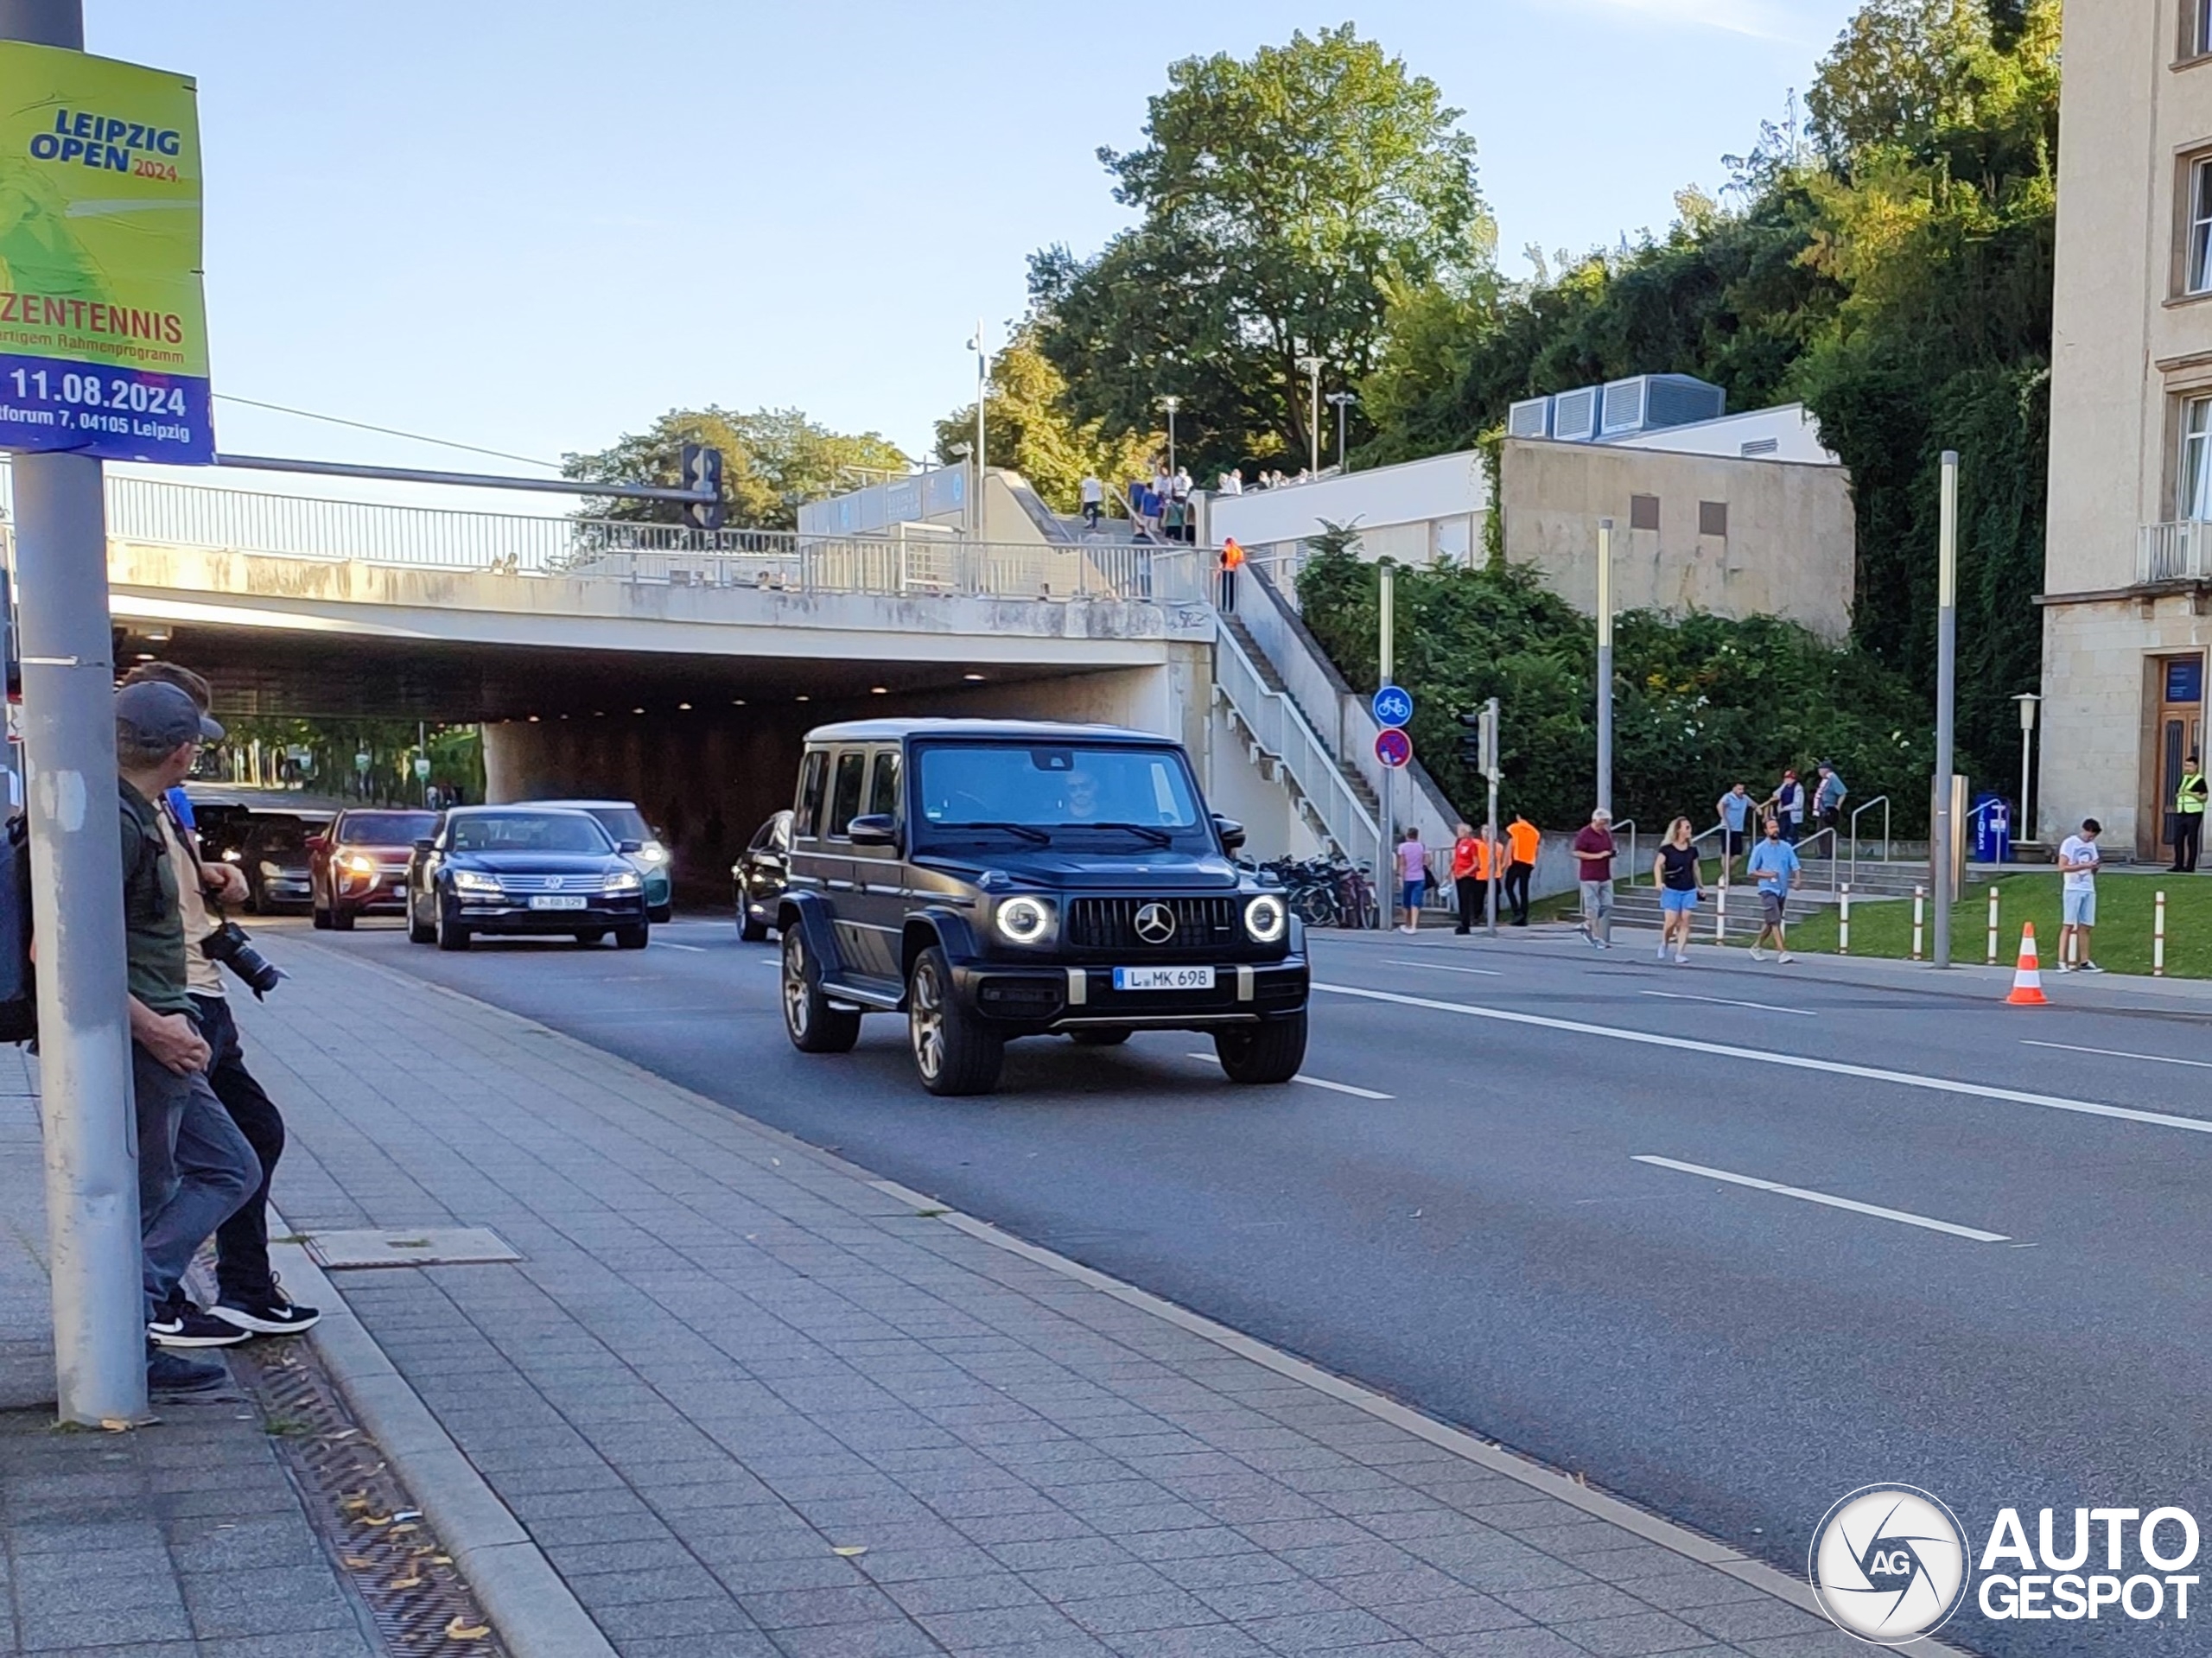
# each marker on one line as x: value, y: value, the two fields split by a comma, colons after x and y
x: 1735, y: 810
x: 1773, y: 863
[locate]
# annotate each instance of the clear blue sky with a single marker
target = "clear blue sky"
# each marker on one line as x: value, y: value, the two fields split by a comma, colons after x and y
x: 534, y: 226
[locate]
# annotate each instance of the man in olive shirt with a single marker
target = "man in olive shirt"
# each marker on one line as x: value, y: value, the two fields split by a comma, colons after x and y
x: 194, y: 1167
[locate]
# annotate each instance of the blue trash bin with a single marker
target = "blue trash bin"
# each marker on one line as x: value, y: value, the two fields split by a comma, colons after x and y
x: 1993, y: 830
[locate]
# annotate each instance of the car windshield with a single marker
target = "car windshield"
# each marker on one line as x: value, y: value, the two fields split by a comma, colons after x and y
x: 278, y: 838
x: 1057, y: 788
x: 528, y: 832
x: 623, y: 823
x: 389, y: 828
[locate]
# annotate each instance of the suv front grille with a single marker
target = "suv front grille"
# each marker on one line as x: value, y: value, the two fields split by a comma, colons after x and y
x: 1201, y: 924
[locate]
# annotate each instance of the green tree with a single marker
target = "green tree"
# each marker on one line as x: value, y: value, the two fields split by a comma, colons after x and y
x: 1280, y: 197
x: 1026, y: 426
x: 772, y: 461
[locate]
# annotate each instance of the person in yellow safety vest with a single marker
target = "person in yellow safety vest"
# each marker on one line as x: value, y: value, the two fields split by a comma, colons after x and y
x: 1232, y: 559
x: 2189, y: 818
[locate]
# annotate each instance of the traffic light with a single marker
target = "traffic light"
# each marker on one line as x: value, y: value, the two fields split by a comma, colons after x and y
x: 702, y: 473
x: 1471, y: 739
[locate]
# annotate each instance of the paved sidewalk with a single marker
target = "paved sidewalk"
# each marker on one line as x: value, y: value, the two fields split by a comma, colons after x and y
x: 184, y: 1540
x: 749, y: 1402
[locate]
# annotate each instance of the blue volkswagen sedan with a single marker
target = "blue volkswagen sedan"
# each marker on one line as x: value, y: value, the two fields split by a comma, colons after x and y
x: 527, y: 870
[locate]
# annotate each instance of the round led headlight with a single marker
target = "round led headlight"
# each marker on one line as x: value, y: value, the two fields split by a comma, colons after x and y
x: 1024, y: 920
x: 1264, y: 918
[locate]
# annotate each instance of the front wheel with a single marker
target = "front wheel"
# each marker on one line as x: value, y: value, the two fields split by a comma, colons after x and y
x: 318, y: 916
x: 632, y: 937
x: 749, y: 927
x: 451, y: 935
x: 418, y: 931
x: 954, y: 1052
x: 812, y: 1024
x: 1262, y: 1053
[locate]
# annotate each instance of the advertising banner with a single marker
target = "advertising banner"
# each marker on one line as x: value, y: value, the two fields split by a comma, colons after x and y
x: 102, y: 333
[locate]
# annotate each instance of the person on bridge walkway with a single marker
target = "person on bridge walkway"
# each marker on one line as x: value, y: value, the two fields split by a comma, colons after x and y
x: 1681, y: 880
x: 1774, y: 862
x: 1094, y: 500
x: 1232, y: 560
x: 1593, y: 852
x: 2189, y: 818
x: 1526, y: 841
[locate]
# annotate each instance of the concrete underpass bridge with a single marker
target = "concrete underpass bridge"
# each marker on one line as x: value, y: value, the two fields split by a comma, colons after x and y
x: 681, y: 668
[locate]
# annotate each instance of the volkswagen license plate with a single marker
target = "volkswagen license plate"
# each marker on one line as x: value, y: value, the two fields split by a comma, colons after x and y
x: 558, y: 901
x: 1163, y: 978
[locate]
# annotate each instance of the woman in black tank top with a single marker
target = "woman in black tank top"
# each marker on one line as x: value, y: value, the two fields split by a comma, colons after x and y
x: 1678, y: 877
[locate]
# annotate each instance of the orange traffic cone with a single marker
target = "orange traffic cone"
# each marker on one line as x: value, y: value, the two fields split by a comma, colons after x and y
x: 2027, y: 978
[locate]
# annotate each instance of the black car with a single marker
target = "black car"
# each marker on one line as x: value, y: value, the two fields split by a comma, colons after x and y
x: 1000, y: 879
x: 760, y: 874
x: 274, y: 858
x: 523, y: 870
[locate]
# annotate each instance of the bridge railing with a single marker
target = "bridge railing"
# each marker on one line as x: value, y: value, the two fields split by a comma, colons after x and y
x: 158, y: 511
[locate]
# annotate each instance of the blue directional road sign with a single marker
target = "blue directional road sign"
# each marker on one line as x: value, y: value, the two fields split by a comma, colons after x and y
x: 1393, y: 706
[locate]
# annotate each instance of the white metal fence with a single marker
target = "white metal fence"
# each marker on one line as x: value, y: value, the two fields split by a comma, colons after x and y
x: 2175, y: 552
x: 1282, y: 733
x: 293, y: 526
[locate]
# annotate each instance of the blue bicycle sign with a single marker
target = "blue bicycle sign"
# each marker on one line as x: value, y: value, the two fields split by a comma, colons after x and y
x: 1393, y: 706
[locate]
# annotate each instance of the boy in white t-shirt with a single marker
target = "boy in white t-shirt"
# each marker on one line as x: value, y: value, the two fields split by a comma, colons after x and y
x: 2077, y: 867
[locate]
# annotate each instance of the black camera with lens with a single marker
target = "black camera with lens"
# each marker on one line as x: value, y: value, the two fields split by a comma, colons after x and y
x: 232, y: 946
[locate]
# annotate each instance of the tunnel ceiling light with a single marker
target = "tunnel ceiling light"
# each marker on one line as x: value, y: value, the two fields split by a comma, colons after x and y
x: 637, y: 710
x: 971, y: 676
x: 880, y: 691
x: 685, y: 707
x: 737, y: 702
x: 533, y: 718
x: 145, y: 656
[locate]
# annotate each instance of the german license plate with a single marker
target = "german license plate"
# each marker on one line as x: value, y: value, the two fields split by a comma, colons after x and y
x: 558, y: 901
x: 1163, y: 978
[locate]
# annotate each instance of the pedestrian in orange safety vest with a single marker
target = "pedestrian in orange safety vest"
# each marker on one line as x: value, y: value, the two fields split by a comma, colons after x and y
x: 1472, y: 855
x: 1526, y: 840
x: 1232, y: 559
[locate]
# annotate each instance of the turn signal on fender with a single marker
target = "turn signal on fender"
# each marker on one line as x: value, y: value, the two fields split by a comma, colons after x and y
x: 2027, y: 978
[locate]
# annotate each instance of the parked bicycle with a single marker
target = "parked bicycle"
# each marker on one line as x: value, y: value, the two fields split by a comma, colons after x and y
x: 1325, y: 892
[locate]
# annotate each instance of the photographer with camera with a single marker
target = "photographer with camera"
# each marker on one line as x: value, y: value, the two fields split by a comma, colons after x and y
x: 194, y: 1167
x: 249, y: 1301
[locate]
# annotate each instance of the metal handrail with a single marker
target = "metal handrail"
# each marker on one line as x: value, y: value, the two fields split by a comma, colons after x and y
x: 1883, y: 800
x: 1835, y: 842
x: 1282, y: 732
x: 1628, y: 824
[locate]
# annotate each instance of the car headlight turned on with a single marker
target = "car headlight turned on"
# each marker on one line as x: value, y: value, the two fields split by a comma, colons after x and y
x: 469, y: 880
x: 624, y: 880
x: 1024, y: 920
x: 1265, y: 919
x: 653, y: 852
x: 354, y: 864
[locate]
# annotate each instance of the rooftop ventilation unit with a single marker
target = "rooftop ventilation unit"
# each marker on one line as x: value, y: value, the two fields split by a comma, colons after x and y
x: 1650, y: 403
x: 1574, y: 414
x: 1531, y: 417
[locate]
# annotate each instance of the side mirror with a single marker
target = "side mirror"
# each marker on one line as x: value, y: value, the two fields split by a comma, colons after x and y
x: 318, y: 843
x: 426, y: 844
x: 876, y: 828
x: 1231, y: 832
x: 625, y: 847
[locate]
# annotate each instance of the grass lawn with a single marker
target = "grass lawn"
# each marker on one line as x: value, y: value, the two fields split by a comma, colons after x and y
x: 2121, y: 943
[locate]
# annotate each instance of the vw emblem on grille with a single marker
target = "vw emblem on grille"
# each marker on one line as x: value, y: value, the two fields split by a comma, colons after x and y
x: 1156, y: 924
x: 552, y: 883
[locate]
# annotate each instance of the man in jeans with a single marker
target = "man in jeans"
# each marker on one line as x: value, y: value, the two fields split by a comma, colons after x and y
x: 1593, y: 852
x: 194, y: 1167
x: 249, y: 1301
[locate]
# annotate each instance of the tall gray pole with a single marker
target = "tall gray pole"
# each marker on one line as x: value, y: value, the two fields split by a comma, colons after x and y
x: 1386, y: 659
x: 1605, y: 664
x: 1941, y: 877
x: 92, y: 1150
x: 1490, y: 731
x: 982, y: 391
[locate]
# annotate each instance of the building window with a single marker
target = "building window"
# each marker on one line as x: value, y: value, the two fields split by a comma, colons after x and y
x: 2197, y: 261
x: 2193, y: 497
x: 1712, y: 517
x: 1643, y: 512
x: 2197, y: 29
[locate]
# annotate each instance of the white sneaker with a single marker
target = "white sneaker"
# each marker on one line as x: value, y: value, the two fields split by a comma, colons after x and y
x: 1757, y: 955
x: 1663, y: 952
x: 1785, y: 958
x: 1682, y: 958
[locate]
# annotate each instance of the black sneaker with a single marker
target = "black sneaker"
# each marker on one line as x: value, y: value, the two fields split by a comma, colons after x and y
x: 174, y: 1373
x: 264, y: 1315
x: 182, y: 1325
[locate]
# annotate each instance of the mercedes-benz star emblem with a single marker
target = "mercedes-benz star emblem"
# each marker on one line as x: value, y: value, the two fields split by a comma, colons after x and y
x: 1156, y: 924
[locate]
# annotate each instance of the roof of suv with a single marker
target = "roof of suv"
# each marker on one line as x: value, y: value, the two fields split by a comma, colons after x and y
x: 874, y: 730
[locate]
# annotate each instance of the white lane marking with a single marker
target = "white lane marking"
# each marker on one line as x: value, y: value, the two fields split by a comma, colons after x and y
x: 1730, y: 1001
x: 1787, y: 1061
x: 669, y: 943
x: 1833, y: 1201
x: 1443, y: 967
x: 2120, y: 1053
x: 1311, y: 1082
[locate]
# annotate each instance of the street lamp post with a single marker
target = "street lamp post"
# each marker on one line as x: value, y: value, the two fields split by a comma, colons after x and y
x: 1605, y: 664
x: 1943, y: 875
x: 1171, y: 403
x: 2028, y: 702
x: 982, y: 392
x: 1343, y: 401
x: 1312, y: 364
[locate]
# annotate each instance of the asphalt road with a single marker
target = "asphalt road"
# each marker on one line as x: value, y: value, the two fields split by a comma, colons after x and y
x: 2016, y: 1317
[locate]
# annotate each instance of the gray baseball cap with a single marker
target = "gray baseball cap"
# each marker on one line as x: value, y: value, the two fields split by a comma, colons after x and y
x: 160, y: 716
